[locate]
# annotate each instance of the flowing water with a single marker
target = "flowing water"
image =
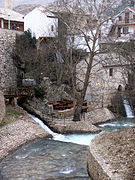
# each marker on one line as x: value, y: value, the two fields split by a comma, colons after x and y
x: 52, y: 159
x: 128, y: 109
x: 117, y: 125
x: 46, y: 160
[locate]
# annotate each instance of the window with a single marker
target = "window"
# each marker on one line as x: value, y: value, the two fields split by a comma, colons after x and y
x: 119, y: 31
x: 111, y: 72
x: 120, y: 18
x: 87, y: 21
x: 133, y: 17
x: 125, y: 30
x: 127, y: 17
x: 52, y: 27
x: 72, y: 39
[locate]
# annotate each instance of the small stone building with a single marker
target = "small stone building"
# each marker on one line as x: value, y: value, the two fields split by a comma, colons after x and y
x: 107, y: 77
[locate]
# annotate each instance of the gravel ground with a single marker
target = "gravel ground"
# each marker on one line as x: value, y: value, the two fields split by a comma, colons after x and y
x: 117, y: 152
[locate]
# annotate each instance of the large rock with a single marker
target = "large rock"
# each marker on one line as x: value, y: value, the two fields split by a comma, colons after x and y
x: 54, y: 92
x: 100, y: 115
x: 2, y: 107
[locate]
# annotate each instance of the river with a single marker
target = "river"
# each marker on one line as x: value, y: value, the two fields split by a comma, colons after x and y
x: 63, y: 157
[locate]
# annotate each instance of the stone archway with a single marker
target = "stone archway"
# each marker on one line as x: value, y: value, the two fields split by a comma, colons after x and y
x: 120, y: 88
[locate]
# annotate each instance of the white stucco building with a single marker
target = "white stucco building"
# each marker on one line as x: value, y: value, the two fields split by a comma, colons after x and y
x: 41, y: 22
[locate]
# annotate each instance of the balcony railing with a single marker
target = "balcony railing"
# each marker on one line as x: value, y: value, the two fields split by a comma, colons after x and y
x: 131, y: 21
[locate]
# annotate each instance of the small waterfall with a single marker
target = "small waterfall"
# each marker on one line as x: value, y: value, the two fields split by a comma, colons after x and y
x: 83, y: 139
x: 43, y: 125
x: 128, y: 110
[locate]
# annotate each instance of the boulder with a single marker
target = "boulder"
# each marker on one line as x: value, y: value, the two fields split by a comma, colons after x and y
x: 100, y: 115
x: 2, y: 107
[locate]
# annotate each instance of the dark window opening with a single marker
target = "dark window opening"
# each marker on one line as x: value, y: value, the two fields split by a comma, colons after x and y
x: 120, y: 18
x: 52, y: 27
x: 73, y: 39
x: 111, y: 72
x: 127, y: 17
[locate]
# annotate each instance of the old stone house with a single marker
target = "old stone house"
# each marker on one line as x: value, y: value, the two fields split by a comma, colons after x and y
x: 108, y: 76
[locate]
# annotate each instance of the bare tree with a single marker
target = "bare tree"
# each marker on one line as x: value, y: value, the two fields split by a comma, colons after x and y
x: 83, y: 20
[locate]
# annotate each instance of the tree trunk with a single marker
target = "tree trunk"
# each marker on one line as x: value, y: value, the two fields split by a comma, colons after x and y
x: 78, y: 110
x: 80, y: 99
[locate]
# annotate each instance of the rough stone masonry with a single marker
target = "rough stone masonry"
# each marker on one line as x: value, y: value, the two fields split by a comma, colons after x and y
x: 8, y: 77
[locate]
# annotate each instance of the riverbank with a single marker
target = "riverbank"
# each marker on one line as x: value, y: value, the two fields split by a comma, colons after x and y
x: 112, y: 155
x: 17, y: 129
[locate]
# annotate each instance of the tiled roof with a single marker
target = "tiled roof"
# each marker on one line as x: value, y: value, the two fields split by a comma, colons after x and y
x: 14, y: 16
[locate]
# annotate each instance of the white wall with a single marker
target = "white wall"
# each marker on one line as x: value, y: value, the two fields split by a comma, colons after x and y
x: 80, y: 42
x: 40, y: 24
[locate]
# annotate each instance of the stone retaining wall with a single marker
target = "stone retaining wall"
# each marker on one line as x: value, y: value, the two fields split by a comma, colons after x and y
x: 7, y: 69
x: 111, y: 155
x: 95, y: 169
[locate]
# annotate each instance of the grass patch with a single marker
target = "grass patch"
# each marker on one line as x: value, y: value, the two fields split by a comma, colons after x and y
x: 12, y: 112
x: 10, y: 117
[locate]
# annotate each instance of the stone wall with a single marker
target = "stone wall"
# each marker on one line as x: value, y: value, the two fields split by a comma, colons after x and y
x: 2, y: 107
x: 97, y: 167
x: 107, y: 74
x: 8, y: 71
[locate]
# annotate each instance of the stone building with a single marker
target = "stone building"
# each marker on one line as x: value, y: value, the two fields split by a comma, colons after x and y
x: 108, y: 76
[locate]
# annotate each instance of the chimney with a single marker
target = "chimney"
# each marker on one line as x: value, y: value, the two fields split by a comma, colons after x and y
x: 9, y: 4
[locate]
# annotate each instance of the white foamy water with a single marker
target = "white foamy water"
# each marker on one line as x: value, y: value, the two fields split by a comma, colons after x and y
x: 83, y: 139
x: 128, y: 110
x: 43, y: 125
